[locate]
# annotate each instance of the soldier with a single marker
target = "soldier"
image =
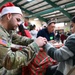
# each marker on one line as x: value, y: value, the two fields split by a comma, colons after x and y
x: 10, y: 18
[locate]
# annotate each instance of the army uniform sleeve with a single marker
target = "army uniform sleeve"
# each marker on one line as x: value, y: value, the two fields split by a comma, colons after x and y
x: 22, y: 40
x: 12, y: 60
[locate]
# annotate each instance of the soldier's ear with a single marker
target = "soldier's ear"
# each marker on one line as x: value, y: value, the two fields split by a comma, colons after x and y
x: 9, y: 16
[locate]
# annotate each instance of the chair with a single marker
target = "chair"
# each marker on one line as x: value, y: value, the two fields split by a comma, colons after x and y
x: 72, y: 71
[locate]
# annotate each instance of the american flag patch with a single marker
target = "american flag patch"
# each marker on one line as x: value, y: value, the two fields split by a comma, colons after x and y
x: 3, y: 42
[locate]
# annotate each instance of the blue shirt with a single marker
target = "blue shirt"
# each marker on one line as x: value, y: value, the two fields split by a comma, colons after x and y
x: 44, y: 33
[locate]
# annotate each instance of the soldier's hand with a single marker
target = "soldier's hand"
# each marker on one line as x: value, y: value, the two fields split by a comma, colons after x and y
x: 40, y: 41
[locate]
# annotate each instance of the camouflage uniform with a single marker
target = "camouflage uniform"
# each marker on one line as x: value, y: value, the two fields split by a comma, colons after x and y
x: 14, y: 60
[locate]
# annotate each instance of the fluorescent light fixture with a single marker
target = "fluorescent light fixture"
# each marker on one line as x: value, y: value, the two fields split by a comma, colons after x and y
x: 29, y: 0
x: 36, y: 19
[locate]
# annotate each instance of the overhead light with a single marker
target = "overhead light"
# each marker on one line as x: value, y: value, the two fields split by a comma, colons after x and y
x: 29, y: 0
x: 36, y: 19
x: 65, y: 24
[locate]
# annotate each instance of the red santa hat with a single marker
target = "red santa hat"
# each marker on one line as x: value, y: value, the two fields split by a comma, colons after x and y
x: 9, y: 8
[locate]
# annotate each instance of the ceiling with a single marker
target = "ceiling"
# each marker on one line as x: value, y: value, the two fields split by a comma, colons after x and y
x: 61, y: 10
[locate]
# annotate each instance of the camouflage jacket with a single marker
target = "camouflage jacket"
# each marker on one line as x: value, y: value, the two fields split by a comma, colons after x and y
x: 12, y: 60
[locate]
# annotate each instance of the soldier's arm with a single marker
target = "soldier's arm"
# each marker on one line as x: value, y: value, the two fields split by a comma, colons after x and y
x: 11, y: 60
x: 22, y: 40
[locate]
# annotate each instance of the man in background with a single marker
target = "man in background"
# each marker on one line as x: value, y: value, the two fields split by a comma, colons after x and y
x: 48, y: 32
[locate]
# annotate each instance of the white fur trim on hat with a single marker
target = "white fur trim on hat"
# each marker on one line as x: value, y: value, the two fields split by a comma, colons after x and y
x: 12, y: 9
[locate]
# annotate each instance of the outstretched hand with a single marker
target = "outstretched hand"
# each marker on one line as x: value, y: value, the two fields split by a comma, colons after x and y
x: 41, y: 41
x: 52, y: 41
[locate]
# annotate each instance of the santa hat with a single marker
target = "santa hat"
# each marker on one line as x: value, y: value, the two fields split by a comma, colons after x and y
x: 9, y: 8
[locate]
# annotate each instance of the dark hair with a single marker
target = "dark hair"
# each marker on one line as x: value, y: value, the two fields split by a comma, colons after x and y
x: 21, y: 29
x: 26, y: 17
x: 32, y: 27
x: 50, y: 22
x: 73, y: 19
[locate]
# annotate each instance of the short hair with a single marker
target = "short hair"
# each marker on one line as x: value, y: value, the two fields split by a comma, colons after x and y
x: 26, y: 17
x: 50, y: 22
x: 32, y: 26
x: 73, y: 19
